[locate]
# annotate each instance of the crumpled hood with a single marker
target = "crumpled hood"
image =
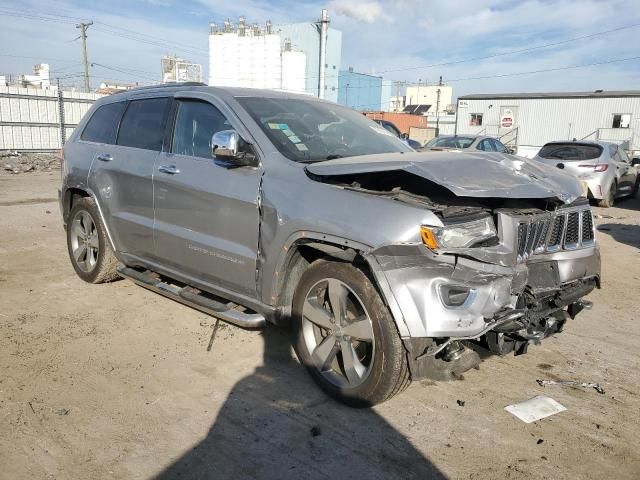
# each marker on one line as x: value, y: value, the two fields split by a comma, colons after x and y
x: 496, y: 175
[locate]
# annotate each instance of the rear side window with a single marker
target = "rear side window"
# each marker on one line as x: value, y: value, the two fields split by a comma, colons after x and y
x: 570, y: 151
x: 103, y: 124
x: 143, y: 124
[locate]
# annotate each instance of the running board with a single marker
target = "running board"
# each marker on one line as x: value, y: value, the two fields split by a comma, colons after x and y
x: 193, y: 298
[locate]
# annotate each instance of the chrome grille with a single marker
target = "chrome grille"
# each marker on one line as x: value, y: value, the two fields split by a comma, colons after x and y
x: 572, y: 232
x: 587, y: 227
x: 553, y: 232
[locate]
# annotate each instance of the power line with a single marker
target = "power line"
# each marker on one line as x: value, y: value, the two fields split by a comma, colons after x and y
x: 606, y: 62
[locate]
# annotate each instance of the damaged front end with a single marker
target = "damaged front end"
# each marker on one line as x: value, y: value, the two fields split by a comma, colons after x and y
x: 502, y: 271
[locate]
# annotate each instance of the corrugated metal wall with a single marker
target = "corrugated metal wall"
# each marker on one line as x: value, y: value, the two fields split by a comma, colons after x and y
x: 541, y: 120
x: 30, y: 117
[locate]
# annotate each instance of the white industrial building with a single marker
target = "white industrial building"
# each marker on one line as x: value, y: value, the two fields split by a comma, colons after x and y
x: 254, y: 57
x: 529, y: 120
x: 423, y: 95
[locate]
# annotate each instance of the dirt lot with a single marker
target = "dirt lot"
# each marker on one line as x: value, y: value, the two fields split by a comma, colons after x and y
x: 113, y: 381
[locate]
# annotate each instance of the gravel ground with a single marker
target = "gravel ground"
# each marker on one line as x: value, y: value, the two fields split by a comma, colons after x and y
x: 112, y: 381
x: 14, y: 163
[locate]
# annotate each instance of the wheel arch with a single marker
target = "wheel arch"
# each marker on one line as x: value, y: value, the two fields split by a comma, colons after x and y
x: 71, y: 195
x: 304, y: 248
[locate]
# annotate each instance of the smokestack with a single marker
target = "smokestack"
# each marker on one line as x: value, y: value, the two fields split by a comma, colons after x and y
x: 324, y: 29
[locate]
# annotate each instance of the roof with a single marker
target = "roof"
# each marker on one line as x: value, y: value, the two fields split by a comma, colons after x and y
x: 594, y: 94
x: 221, y: 91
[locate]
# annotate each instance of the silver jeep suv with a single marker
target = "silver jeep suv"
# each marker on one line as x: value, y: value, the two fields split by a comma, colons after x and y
x: 261, y: 207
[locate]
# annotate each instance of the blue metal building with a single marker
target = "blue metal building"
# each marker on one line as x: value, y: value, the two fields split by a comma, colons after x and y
x: 360, y: 91
x: 306, y: 37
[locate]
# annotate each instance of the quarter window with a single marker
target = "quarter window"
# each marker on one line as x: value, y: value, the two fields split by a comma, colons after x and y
x: 103, y: 124
x: 143, y: 124
x: 475, y: 120
x: 621, y: 120
x: 196, y: 122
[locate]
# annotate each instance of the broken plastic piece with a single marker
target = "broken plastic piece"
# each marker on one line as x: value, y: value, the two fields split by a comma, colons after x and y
x: 571, y: 383
x: 535, y: 408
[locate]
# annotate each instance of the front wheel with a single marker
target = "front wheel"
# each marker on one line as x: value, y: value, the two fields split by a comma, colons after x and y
x: 346, y: 337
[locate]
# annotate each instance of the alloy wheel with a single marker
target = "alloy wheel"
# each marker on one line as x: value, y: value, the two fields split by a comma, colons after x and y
x: 84, y: 241
x: 338, y: 333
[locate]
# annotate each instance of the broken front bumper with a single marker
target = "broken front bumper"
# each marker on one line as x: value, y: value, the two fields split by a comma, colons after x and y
x: 418, y: 287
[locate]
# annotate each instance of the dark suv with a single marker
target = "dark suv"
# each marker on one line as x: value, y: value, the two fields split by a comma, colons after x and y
x: 263, y: 207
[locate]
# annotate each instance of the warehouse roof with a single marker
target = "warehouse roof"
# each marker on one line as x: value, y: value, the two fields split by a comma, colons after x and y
x: 594, y: 94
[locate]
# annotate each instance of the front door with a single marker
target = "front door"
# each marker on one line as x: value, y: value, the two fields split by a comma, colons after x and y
x: 206, y: 213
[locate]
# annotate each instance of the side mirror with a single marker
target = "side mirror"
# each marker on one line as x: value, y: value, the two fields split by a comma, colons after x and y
x: 635, y: 162
x: 510, y: 150
x: 225, y: 146
x: 404, y: 136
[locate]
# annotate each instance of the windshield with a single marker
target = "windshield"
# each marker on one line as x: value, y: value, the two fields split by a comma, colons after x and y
x: 310, y: 131
x: 450, y: 142
x: 570, y: 151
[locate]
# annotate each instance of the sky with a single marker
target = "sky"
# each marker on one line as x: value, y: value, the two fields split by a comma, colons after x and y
x: 406, y: 40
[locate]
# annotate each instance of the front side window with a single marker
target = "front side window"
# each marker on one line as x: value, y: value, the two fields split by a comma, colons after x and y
x: 498, y: 146
x: 621, y: 120
x: 103, y: 124
x: 486, y: 146
x: 475, y: 120
x: 310, y: 131
x: 196, y: 122
x: 143, y: 124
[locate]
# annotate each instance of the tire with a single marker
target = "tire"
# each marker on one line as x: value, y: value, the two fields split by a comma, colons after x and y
x: 87, y: 244
x: 607, y: 202
x: 375, y: 366
x: 636, y: 187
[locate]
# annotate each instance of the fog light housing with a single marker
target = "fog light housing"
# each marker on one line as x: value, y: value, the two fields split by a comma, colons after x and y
x: 456, y: 296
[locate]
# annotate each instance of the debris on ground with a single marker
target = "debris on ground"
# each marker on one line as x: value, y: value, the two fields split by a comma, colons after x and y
x: 315, y: 431
x: 15, y: 162
x: 62, y: 411
x: 540, y: 440
x: 460, y: 402
x: 535, y: 408
x: 571, y: 383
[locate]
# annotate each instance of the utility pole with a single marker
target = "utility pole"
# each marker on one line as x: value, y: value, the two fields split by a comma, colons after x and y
x: 438, y: 109
x: 83, y: 35
x: 324, y: 30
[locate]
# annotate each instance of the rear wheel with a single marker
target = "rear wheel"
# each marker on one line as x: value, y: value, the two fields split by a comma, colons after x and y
x: 346, y: 337
x: 87, y: 243
x: 609, y: 199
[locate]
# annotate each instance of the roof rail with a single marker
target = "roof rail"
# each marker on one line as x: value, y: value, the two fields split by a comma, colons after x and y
x: 169, y: 84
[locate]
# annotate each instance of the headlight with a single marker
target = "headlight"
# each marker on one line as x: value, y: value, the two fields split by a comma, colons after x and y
x: 460, y: 235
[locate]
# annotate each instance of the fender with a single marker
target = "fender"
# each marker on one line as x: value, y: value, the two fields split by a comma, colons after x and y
x: 345, y: 244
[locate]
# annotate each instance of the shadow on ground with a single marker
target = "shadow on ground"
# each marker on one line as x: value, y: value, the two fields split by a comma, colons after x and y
x: 277, y: 424
x: 623, y: 233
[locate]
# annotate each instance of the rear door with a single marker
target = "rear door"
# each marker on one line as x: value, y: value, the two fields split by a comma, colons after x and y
x: 121, y: 175
x: 206, y: 211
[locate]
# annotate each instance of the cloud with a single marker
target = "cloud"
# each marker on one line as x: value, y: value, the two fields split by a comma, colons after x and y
x: 367, y: 12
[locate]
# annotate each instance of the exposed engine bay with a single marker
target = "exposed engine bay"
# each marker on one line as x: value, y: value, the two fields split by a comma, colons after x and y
x: 502, y: 291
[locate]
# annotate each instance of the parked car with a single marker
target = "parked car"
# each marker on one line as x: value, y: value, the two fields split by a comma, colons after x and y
x: 390, y: 127
x: 263, y: 207
x: 467, y: 143
x: 603, y: 166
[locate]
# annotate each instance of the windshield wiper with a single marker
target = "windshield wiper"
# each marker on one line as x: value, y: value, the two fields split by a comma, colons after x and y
x: 334, y: 156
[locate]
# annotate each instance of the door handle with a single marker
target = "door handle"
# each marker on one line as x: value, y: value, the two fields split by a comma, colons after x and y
x: 105, y: 157
x: 170, y: 169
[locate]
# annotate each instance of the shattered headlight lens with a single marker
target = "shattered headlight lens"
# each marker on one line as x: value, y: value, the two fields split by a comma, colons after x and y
x: 460, y: 235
